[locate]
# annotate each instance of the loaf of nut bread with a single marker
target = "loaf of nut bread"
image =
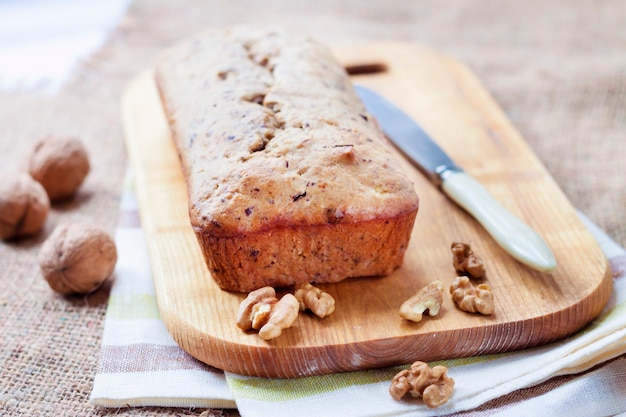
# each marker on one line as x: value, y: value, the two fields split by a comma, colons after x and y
x: 289, y: 179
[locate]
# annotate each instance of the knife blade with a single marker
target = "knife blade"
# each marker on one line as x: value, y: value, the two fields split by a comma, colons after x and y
x: 511, y: 233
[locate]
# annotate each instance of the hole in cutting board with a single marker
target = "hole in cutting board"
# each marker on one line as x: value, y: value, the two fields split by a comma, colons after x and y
x: 366, y: 68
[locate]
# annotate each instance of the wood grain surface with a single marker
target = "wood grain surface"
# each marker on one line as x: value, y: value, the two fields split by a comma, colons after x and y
x: 444, y: 96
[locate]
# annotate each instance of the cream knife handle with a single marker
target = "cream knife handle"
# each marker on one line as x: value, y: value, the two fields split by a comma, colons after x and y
x: 513, y: 235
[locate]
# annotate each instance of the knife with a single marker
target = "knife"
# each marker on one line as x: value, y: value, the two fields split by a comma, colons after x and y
x: 512, y: 234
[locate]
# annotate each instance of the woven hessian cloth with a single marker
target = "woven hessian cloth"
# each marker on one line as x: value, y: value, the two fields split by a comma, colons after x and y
x: 557, y: 68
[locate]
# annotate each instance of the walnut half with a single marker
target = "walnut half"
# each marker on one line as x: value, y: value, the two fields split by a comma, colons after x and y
x: 470, y: 298
x: 465, y: 261
x: 433, y: 385
x: 319, y: 302
x: 262, y: 311
x: 282, y: 316
x: 428, y: 299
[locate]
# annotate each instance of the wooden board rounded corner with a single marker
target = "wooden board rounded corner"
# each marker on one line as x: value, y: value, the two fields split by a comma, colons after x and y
x: 366, y: 331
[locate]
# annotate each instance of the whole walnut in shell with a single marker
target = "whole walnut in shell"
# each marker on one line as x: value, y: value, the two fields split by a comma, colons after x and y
x: 60, y: 164
x: 24, y: 206
x: 77, y: 258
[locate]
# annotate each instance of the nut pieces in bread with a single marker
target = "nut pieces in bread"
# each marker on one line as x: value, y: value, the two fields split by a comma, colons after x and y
x: 60, y: 164
x: 24, y: 206
x: 77, y: 258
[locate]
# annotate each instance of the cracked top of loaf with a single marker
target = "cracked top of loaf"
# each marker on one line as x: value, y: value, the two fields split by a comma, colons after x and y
x: 271, y: 134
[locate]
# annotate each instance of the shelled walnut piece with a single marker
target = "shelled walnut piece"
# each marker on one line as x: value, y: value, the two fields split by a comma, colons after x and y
x: 465, y: 261
x: 429, y: 298
x: 319, y: 302
x: 262, y: 311
x: 470, y: 298
x: 433, y: 385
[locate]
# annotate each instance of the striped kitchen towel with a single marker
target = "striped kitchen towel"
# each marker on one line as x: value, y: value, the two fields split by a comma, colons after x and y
x: 140, y: 364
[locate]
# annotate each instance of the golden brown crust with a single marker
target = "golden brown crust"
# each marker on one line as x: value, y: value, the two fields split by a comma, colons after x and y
x: 282, y: 161
x: 293, y: 255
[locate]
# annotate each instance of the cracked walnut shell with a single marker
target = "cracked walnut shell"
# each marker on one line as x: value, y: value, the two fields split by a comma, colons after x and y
x: 24, y: 206
x: 433, y: 385
x: 60, y: 164
x: 77, y: 258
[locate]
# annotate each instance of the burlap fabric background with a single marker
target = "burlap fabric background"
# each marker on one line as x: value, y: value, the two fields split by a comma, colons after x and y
x: 557, y: 68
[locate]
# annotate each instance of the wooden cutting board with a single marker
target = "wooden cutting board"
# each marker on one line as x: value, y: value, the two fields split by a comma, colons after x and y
x: 366, y: 331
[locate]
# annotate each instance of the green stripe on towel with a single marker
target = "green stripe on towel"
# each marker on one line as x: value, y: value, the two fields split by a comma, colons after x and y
x: 276, y: 390
x: 133, y: 306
